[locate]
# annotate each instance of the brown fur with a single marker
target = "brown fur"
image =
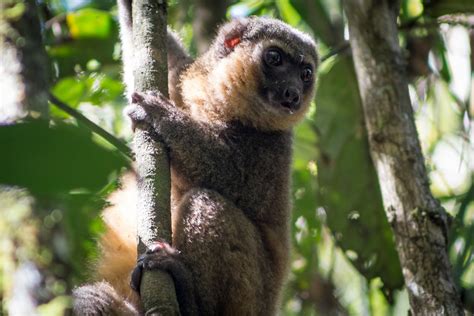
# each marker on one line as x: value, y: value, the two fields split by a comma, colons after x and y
x: 232, y: 81
x: 230, y: 154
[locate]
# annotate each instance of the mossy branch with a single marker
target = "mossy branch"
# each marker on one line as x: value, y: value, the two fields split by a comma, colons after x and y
x: 418, y: 221
x: 153, y: 209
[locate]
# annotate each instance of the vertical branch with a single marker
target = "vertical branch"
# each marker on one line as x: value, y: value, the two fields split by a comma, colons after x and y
x: 24, y: 93
x: 314, y: 13
x: 153, y: 209
x: 24, y: 65
x: 208, y: 14
x: 418, y: 221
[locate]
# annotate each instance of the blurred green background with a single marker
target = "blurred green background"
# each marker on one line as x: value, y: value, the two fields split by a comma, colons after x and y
x: 343, y: 260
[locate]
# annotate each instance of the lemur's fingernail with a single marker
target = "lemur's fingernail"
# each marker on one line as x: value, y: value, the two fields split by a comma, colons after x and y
x: 158, y: 245
x: 136, y: 97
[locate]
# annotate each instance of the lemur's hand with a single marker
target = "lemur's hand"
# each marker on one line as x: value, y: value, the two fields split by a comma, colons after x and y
x: 149, y: 108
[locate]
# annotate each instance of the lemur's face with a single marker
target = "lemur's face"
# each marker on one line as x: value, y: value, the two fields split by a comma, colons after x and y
x: 287, y: 79
x: 259, y: 72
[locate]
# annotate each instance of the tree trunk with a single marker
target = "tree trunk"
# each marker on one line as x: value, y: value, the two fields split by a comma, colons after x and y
x: 418, y: 221
x: 314, y: 13
x: 24, y: 93
x: 23, y: 67
x: 208, y: 15
x: 153, y: 209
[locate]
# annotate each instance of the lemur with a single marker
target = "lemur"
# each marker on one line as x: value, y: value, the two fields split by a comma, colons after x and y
x: 227, y: 126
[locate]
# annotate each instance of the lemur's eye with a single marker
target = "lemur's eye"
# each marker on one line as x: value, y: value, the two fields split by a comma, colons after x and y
x: 273, y: 57
x: 307, y: 74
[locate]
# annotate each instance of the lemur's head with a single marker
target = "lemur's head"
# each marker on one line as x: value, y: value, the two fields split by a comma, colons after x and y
x: 259, y: 71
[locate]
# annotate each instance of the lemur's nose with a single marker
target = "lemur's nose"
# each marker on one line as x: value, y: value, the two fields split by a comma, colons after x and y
x: 291, y: 98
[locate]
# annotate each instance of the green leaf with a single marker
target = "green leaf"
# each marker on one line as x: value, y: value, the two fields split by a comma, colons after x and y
x: 288, y: 12
x: 95, y: 88
x: 87, y: 23
x: 94, y: 35
x: 102, y: 88
x: 51, y: 160
x: 348, y: 186
x: 81, y: 225
x: 71, y: 90
x: 441, y: 52
x: 411, y: 9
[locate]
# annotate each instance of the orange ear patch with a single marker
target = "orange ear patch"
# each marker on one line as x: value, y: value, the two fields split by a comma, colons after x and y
x: 232, y: 42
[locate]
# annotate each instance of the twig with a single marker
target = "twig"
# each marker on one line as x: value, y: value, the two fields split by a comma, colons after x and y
x: 452, y: 19
x: 335, y: 51
x: 117, y: 143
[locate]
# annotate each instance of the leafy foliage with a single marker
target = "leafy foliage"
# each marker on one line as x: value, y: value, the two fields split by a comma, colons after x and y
x: 53, y: 160
x: 360, y: 228
x: 69, y: 174
x: 94, y: 88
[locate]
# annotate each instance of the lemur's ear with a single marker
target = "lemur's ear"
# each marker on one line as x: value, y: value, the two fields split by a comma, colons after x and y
x: 230, y: 43
x: 231, y: 35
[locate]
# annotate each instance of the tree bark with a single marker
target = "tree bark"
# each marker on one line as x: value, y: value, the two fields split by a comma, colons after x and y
x: 208, y: 15
x: 24, y: 67
x: 418, y: 221
x: 24, y: 92
x: 314, y: 13
x: 153, y: 209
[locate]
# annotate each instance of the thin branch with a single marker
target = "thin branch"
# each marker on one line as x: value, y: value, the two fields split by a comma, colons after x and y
x: 117, y: 143
x: 60, y: 18
x: 341, y: 48
x: 453, y: 20
x: 150, y: 70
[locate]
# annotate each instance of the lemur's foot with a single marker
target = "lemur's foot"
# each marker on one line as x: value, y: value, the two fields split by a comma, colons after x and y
x: 162, y: 256
x: 159, y: 256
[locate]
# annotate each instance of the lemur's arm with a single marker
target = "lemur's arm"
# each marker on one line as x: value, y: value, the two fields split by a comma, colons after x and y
x: 178, y: 57
x: 195, y: 147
